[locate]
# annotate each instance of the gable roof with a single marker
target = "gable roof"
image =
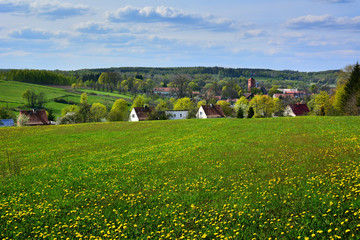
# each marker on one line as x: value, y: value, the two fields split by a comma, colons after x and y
x: 143, y: 112
x: 6, y: 122
x: 248, y: 95
x: 36, y: 117
x: 213, y: 111
x: 299, y: 109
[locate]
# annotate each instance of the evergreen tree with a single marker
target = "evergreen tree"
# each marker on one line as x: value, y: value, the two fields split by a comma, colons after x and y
x: 251, y: 112
x: 351, y: 93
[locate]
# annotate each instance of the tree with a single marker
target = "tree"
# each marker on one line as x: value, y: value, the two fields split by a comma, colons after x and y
x: 162, y: 106
x: 240, y: 113
x: 225, y: 106
x: 322, y: 104
x: 200, y: 103
x: 98, y: 111
x: 242, y: 103
x: 350, y: 95
x: 6, y: 113
x: 274, y: 90
x: 180, y: 84
x: 50, y: 114
x: 184, y: 104
x: 84, y: 98
x: 279, y: 107
x: 262, y: 105
x: 250, y: 112
x: 139, y: 101
x: 69, y: 109
x: 33, y: 99
x: 119, y: 110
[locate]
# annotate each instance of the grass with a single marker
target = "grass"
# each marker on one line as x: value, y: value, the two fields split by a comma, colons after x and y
x: 11, y: 95
x: 113, y: 94
x: 282, y: 178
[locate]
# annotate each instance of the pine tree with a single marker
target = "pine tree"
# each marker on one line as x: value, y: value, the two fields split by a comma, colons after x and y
x: 351, y: 90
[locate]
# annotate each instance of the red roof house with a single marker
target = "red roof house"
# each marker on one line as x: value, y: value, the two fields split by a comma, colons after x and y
x: 210, y: 111
x: 36, y: 117
x: 297, y: 109
x: 140, y: 113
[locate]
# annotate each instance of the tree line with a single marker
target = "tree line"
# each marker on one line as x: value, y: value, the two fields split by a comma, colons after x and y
x: 36, y: 77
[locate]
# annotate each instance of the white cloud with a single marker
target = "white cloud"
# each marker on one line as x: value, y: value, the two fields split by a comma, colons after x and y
x: 170, y: 15
x: 49, y: 9
x: 28, y: 33
x: 324, y: 21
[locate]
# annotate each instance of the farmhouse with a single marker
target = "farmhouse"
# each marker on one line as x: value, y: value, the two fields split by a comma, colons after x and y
x: 210, y: 111
x: 165, y: 91
x: 36, y: 117
x: 297, y: 109
x: 6, y: 122
x: 140, y: 113
x: 177, y: 114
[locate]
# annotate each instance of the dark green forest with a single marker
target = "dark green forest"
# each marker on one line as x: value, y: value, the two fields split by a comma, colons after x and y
x: 143, y: 79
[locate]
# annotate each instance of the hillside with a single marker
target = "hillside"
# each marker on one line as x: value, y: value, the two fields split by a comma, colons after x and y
x: 219, y: 178
x: 11, y: 95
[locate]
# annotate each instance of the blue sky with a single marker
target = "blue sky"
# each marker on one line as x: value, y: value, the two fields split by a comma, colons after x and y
x: 308, y: 35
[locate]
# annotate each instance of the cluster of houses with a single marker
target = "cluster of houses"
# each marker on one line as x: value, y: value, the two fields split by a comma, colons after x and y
x: 207, y: 111
x: 34, y: 117
x: 39, y: 117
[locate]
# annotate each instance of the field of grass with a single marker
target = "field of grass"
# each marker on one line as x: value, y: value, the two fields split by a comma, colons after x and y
x: 113, y: 94
x: 284, y: 178
x: 11, y: 95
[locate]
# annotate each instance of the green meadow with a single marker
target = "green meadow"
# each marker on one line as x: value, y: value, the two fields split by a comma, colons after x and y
x: 284, y: 178
x: 11, y: 95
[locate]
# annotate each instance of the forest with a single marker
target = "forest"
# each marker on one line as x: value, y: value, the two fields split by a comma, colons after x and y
x: 165, y: 75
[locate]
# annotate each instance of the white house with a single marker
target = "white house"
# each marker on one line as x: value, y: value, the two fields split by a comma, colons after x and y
x: 210, y: 111
x: 177, y: 114
x: 140, y: 113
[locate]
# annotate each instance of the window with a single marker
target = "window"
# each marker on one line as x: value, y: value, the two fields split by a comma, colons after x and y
x: 133, y: 115
x: 200, y: 113
x: 180, y: 115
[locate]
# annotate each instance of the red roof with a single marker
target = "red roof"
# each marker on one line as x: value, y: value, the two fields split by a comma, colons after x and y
x: 213, y: 111
x: 167, y: 89
x: 143, y: 112
x: 36, y: 117
x: 295, y: 92
x: 299, y: 109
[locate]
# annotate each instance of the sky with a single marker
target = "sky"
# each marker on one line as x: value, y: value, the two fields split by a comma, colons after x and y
x: 307, y: 35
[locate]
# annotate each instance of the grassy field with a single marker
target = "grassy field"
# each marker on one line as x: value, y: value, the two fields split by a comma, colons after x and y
x: 284, y: 178
x: 11, y: 95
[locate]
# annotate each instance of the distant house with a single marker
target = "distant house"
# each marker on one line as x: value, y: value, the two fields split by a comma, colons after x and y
x: 248, y: 96
x: 36, y: 117
x: 210, y: 111
x: 165, y: 91
x: 140, y: 113
x: 297, y: 109
x: 6, y: 122
x: 177, y: 114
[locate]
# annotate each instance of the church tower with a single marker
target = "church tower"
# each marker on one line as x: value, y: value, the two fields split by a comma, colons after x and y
x: 251, y: 83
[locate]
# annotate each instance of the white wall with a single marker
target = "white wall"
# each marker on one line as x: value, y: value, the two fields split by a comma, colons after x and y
x: 201, y: 113
x: 133, y: 117
x: 288, y: 112
x: 175, y: 115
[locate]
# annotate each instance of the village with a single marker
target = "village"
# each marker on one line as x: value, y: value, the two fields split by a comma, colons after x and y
x: 247, y: 106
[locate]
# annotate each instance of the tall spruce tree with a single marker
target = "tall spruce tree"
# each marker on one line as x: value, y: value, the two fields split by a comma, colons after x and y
x: 351, y: 93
